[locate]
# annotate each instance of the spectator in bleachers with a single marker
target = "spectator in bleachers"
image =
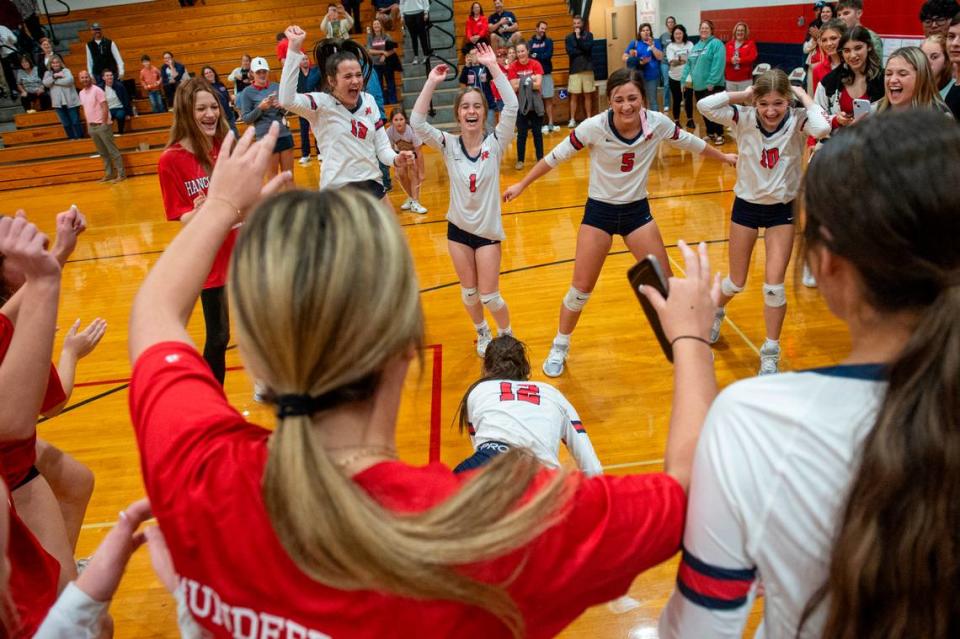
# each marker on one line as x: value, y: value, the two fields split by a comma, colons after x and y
x: 388, y: 13
x: 30, y: 17
x: 172, y: 73
x: 704, y: 72
x: 308, y: 80
x: 665, y: 39
x: 33, y: 95
x: 644, y: 55
x: 353, y: 9
x: 9, y: 59
x: 118, y: 100
x: 860, y: 77
x: 541, y: 50
x: 260, y: 107
x: 678, y: 51
x: 476, y: 76
x: 99, y: 126
x: 851, y: 11
x: 935, y: 48
x: 44, y: 54
x: 415, y: 15
x: 383, y: 52
x: 63, y: 97
x: 504, y: 29
x: 152, y: 84
x: 580, y: 79
x: 741, y: 55
x: 282, y: 45
x: 830, y: 35
x: 526, y: 77
x: 477, y: 29
x: 102, y: 53
x: 241, y: 76
x: 226, y: 100
x: 336, y: 23
x: 953, y: 49
x: 909, y: 83
x: 935, y: 16
x: 811, y: 46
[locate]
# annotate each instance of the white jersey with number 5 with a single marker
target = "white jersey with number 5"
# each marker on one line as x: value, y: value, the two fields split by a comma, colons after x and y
x: 770, y: 166
x: 535, y: 416
x: 475, y: 181
x: 619, y: 167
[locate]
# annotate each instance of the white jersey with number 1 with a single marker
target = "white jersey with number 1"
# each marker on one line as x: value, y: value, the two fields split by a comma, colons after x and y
x: 475, y: 181
x: 619, y: 167
x: 535, y: 416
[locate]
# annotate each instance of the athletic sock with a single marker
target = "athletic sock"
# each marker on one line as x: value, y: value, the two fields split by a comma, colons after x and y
x: 561, y: 339
x: 482, y: 327
x: 770, y: 344
x: 504, y: 331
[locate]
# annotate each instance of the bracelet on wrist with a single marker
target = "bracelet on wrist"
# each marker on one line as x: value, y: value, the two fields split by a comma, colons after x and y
x: 693, y: 337
x: 228, y: 203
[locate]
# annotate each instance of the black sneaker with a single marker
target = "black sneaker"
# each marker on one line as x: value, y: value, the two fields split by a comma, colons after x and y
x: 691, y: 125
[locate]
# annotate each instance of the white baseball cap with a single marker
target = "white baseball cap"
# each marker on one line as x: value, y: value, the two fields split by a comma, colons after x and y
x: 259, y: 64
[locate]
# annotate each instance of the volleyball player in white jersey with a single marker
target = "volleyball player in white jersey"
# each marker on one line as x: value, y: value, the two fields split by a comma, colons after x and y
x: 474, y: 227
x: 346, y: 122
x: 505, y: 410
x: 771, y: 137
x: 623, y: 142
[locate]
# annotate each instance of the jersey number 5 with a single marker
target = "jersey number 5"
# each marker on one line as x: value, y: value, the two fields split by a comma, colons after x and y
x: 358, y: 129
x: 473, y: 182
x: 626, y: 162
x: 525, y: 393
x: 769, y: 158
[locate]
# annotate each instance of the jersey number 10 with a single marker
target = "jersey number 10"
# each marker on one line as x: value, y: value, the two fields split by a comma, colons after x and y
x: 525, y: 393
x: 769, y: 158
x: 358, y: 129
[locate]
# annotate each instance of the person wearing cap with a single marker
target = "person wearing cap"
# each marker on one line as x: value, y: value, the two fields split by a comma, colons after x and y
x: 259, y: 106
x: 102, y: 54
x: 172, y: 73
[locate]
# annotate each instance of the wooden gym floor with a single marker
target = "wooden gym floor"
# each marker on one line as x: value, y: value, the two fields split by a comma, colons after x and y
x: 616, y: 375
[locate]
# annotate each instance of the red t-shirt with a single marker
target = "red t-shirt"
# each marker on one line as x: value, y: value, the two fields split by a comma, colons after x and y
x: 517, y: 70
x: 18, y: 456
x: 203, y: 468
x: 479, y: 27
x: 282, y: 47
x: 34, y: 576
x: 183, y: 185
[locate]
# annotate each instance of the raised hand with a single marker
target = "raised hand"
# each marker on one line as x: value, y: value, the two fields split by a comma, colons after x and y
x: 238, y: 175
x: 70, y: 224
x: 438, y: 74
x: 690, y: 306
x: 82, y: 343
x: 296, y: 36
x: 24, y: 248
x: 487, y: 56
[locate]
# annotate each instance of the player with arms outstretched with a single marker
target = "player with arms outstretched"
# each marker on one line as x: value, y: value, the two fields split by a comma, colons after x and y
x: 623, y: 142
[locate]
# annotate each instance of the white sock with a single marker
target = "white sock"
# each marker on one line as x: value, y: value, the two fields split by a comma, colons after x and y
x: 505, y: 331
x: 482, y: 327
x: 561, y: 339
x: 770, y: 344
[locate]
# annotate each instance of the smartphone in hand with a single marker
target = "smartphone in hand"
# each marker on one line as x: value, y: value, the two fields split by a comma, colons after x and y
x: 861, y: 108
x: 647, y: 272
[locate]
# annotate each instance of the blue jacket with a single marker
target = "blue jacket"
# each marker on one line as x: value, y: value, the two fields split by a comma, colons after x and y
x: 373, y: 88
x: 541, y: 50
x: 122, y: 95
x: 165, y: 73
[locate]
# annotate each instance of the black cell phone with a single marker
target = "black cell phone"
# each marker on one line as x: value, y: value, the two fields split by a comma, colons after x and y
x: 648, y: 273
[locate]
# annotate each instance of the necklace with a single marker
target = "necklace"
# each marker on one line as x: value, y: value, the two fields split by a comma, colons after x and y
x: 360, y: 452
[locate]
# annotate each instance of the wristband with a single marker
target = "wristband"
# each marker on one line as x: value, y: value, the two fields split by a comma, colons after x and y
x: 693, y: 337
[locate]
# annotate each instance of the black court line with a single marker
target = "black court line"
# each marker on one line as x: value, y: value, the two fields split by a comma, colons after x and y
x: 113, y: 257
x: 572, y: 206
x: 84, y: 402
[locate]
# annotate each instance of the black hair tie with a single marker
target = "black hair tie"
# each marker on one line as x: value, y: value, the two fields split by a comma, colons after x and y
x: 294, y: 405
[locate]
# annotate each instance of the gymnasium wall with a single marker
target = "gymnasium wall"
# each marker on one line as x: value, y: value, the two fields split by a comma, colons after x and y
x: 76, y: 5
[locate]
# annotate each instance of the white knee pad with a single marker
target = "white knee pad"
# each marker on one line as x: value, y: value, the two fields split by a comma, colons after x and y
x: 575, y: 299
x: 469, y: 296
x: 492, y: 301
x: 728, y: 288
x: 774, y: 295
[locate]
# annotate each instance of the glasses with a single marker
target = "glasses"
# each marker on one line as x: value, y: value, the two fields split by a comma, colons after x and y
x: 935, y: 22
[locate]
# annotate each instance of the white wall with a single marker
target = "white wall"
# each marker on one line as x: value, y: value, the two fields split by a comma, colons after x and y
x: 87, y: 4
x: 687, y: 13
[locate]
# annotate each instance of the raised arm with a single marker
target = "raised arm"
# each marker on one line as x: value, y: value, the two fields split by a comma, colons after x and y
x: 287, y: 95
x: 717, y: 107
x: 167, y: 296
x: 816, y: 124
x: 430, y: 135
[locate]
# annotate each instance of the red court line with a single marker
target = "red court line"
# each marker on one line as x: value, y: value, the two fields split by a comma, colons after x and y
x: 436, y: 393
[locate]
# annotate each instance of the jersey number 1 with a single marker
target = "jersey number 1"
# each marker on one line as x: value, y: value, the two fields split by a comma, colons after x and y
x: 769, y: 158
x: 525, y: 393
x: 626, y: 162
x: 358, y: 129
x: 473, y: 182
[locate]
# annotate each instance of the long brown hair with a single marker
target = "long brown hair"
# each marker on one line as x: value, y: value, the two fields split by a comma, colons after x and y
x: 890, y: 210
x: 325, y: 295
x: 505, y: 358
x: 185, y: 127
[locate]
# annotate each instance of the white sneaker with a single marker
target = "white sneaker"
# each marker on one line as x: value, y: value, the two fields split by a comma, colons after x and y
x: 553, y: 365
x: 406, y: 204
x: 545, y: 128
x: 769, y: 360
x: 572, y: 124
x: 808, y: 279
x: 519, y: 165
x: 484, y: 337
x: 554, y: 127
x: 717, y: 323
x: 305, y: 160
x: 415, y: 61
x: 416, y: 207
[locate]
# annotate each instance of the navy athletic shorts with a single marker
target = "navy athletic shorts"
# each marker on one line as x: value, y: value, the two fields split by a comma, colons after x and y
x: 761, y: 216
x: 458, y: 235
x: 617, y: 219
x: 372, y: 187
x: 484, y: 455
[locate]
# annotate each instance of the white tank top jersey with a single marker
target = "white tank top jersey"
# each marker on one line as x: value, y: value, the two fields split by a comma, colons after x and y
x: 770, y: 166
x: 619, y: 167
x: 350, y: 140
x: 770, y: 478
x: 475, y: 181
x: 535, y: 416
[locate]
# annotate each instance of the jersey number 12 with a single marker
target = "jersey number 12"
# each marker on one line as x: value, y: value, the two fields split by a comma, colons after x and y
x: 525, y: 393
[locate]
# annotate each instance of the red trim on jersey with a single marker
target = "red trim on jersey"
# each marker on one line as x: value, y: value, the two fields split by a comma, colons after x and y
x: 578, y: 426
x: 577, y: 144
x: 711, y: 586
x: 379, y: 124
x: 736, y: 113
x: 313, y: 103
x: 676, y: 133
x: 471, y: 429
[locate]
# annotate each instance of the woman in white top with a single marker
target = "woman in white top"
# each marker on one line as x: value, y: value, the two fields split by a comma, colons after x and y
x: 474, y: 227
x: 504, y: 410
x: 678, y: 52
x: 623, y: 141
x: 838, y: 487
x: 346, y: 122
x: 771, y: 137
